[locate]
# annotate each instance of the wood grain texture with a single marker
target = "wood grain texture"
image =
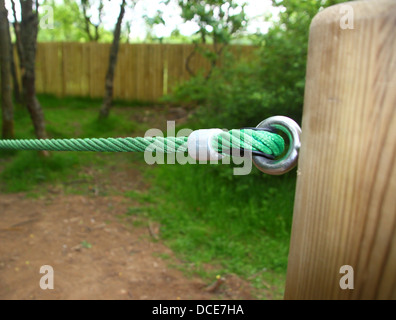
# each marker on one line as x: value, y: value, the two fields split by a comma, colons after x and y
x: 143, y: 71
x: 345, y: 205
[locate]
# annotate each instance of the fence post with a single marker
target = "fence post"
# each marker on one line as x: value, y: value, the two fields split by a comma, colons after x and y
x: 345, y: 205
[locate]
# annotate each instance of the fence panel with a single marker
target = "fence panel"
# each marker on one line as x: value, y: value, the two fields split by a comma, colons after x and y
x: 144, y: 71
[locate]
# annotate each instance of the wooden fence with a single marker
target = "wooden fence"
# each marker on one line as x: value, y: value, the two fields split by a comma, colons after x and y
x: 144, y: 71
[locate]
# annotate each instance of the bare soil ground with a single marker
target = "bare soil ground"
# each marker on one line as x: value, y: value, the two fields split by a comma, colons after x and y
x: 93, y: 254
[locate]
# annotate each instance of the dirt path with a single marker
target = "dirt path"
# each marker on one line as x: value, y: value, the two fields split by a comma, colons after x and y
x: 94, y: 255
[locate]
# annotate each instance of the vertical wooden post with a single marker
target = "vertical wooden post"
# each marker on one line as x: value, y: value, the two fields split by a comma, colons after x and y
x: 345, y: 206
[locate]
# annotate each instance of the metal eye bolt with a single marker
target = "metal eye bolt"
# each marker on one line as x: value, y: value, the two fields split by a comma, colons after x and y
x: 289, y: 160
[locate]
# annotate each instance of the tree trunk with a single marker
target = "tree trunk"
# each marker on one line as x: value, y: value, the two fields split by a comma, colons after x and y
x: 18, y: 43
x: 17, y: 30
x: 5, y: 64
x: 109, y: 83
x: 15, y: 83
x: 29, y: 28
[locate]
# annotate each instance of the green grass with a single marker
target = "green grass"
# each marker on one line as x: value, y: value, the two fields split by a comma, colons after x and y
x: 65, y: 118
x: 239, y: 224
x: 29, y: 169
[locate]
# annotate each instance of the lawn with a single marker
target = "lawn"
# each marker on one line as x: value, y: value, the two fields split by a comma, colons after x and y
x: 235, y: 224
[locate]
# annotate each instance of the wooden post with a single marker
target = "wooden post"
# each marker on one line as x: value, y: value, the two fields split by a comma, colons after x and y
x: 345, y: 206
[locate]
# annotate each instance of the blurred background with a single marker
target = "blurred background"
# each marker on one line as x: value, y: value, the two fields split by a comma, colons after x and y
x: 93, y: 68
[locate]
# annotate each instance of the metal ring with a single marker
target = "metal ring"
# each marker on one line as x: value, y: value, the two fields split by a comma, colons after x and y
x: 289, y: 161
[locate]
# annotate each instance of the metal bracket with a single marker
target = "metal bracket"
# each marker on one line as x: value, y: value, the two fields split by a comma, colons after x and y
x: 289, y: 161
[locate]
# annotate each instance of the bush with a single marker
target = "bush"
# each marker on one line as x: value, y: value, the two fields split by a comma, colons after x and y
x: 242, y: 93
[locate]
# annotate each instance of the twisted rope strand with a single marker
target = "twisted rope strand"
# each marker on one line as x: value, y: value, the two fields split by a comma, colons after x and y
x: 263, y: 141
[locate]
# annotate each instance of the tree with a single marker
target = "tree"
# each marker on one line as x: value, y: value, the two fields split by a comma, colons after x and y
x: 17, y: 93
x: 128, y: 27
x: 17, y: 30
x: 5, y: 64
x: 15, y: 82
x: 29, y: 30
x: 270, y: 82
x: 88, y: 23
x: 69, y: 23
x: 218, y: 21
x: 150, y: 23
x: 109, y: 82
x: 283, y: 55
x: 18, y: 43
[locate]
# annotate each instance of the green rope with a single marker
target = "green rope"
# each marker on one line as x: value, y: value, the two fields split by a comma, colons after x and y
x: 264, y: 141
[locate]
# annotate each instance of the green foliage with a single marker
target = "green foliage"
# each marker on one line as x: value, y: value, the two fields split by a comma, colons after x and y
x: 272, y: 81
x: 283, y: 55
x: 232, y: 97
x: 150, y: 23
x: 177, y: 37
x: 218, y: 20
x: 69, y: 24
